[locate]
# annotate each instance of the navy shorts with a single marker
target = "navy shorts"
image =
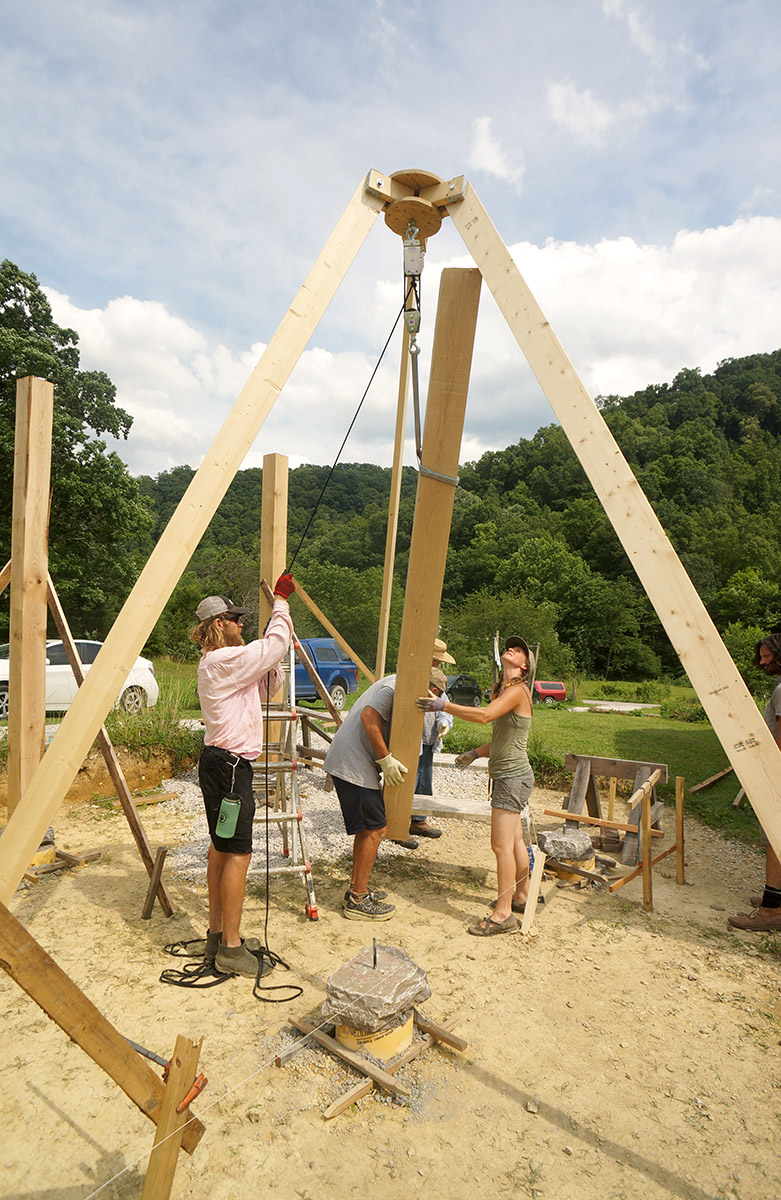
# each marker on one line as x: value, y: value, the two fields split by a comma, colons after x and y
x: 362, y: 807
x: 217, y: 778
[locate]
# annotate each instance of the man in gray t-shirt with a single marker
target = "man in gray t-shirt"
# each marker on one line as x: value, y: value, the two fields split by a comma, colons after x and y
x: 767, y: 907
x: 355, y: 759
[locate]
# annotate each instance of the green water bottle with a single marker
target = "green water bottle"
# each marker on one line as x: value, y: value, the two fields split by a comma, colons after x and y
x: 229, y: 815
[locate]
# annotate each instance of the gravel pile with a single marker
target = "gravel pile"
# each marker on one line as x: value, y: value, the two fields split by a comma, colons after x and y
x: 324, y: 832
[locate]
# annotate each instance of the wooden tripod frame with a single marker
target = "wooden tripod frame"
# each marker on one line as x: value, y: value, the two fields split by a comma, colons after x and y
x: 723, y: 694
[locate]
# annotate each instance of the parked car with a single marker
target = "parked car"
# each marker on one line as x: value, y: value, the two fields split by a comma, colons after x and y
x: 547, y: 691
x: 139, y: 690
x: 337, y: 671
x: 463, y: 689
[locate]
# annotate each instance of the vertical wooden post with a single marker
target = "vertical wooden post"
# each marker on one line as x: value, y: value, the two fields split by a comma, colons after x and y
x: 29, y: 569
x: 451, y: 361
x: 679, y: 842
x: 648, y: 887
x: 611, y: 800
x: 393, y: 508
x: 170, y: 1126
x: 273, y: 527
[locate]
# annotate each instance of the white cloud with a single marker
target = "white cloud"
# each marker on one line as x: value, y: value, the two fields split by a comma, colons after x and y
x: 628, y: 314
x: 486, y: 154
x: 580, y: 112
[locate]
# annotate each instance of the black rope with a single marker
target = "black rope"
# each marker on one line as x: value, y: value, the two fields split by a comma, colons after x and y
x: 289, y: 569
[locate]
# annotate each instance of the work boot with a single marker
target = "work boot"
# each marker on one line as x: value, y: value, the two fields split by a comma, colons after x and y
x: 366, y: 908
x: 756, y: 901
x: 213, y: 941
x: 423, y: 829
x: 762, y: 920
x: 240, y: 960
x: 407, y: 843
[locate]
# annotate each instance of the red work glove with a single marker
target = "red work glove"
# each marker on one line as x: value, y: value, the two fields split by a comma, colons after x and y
x: 284, y: 586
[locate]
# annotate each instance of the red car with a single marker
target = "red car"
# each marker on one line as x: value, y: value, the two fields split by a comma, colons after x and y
x: 548, y: 691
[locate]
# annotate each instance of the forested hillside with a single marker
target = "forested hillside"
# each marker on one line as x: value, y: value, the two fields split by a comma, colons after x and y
x: 531, y: 549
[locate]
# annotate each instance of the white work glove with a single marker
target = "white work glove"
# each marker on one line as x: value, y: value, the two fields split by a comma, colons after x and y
x: 466, y: 759
x: 393, y: 771
x: 443, y: 730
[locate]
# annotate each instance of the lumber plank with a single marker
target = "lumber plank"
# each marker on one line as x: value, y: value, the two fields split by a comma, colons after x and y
x: 603, y: 824
x: 440, y: 1032
x: 638, y: 870
x: 614, y: 768
x: 530, y: 907
x: 577, y: 795
x: 29, y: 561
x: 170, y: 1127
x: 46, y: 983
x: 380, y: 1077
x: 571, y: 868
x: 365, y: 1086
x: 178, y: 541
x: 706, y: 783
x: 731, y: 709
x: 394, y: 502
x: 451, y: 360
x: 154, y: 883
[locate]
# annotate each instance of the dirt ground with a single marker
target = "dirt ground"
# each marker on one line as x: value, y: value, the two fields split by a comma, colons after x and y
x: 612, y: 1053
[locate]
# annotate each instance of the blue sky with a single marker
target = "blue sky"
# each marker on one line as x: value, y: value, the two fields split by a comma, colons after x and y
x: 172, y: 170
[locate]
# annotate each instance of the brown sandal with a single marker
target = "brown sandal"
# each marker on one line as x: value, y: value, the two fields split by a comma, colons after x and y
x: 488, y: 927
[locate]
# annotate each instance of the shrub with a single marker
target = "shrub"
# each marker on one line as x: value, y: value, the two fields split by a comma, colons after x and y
x: 683, y: 710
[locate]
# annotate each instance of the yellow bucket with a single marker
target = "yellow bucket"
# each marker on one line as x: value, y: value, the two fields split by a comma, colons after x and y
x: 384, y: 1045
x: 588, y: 864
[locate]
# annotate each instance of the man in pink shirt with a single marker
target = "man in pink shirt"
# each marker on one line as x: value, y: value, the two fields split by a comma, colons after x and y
x: 233, y: 681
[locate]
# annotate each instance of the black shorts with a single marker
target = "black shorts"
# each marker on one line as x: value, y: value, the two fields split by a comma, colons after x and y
x: 362, y: 807
x: 217, y: 778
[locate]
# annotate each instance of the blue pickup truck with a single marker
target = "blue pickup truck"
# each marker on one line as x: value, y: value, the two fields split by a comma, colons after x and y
x: 338, y: 672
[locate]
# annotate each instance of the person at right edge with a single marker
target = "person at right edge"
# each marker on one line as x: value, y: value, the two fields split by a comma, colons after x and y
x: 767, y: 907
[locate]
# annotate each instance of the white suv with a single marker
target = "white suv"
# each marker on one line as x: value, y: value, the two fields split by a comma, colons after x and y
x: 139, y: 690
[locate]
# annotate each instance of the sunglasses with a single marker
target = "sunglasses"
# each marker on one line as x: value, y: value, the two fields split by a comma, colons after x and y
x: 236, y: 620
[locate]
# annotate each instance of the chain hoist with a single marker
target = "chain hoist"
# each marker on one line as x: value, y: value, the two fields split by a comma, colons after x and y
x: 414, y: 253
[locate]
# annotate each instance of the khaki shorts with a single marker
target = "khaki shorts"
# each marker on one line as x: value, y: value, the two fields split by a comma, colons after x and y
x: 512, y: 794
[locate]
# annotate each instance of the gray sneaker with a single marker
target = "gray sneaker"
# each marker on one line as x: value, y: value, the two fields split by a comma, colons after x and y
x: 377, y: 893
x: 367, y: 909
x: 240, y: 960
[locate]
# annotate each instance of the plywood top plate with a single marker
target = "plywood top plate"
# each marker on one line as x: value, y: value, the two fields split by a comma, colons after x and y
x: 416, y: 179
x: 399, y: 214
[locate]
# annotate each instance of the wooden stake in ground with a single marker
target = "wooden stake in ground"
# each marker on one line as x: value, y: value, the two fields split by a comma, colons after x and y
x: 171, y: 1125
x: 29, y: 564
x: 451, y: 361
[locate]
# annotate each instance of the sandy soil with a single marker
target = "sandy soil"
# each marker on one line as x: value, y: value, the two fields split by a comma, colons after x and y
x: 612, y: 1053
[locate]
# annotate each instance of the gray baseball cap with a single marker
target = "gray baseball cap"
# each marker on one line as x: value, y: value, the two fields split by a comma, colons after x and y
x: 215, y: 606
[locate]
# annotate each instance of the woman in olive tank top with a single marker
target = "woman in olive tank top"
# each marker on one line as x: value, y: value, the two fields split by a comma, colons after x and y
x: 509, y: 712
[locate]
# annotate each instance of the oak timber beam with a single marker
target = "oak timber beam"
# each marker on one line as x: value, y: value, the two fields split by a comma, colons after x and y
x: 393, y: 506
x: 451, y: 361
x: 731, y: 710
x: 173, y: 551
x: 273, y: 527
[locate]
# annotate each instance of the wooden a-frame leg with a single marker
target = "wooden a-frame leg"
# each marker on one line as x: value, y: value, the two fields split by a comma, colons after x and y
x: 170, y: 1126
